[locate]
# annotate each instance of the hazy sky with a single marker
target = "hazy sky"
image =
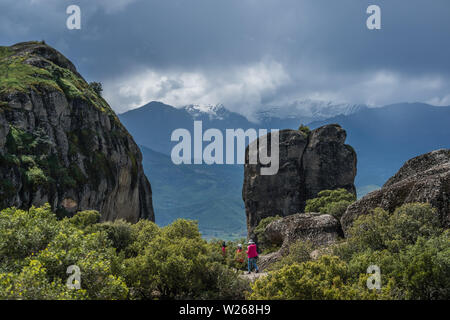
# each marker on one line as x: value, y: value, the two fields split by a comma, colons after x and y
x: 246, y: 54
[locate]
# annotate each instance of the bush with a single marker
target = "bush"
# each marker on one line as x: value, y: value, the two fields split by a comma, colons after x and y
x: 334, y: 202
x: 423, y: 270
x: 119, y: 232
x: 408, y: 245
x: 97, y: 87
x: 174, y: 264
x: 305, y: 130
x: 300, y: 251
x: 24, y: 233
x: 82, y: 219
x: 325, y: 279
x: 382, y: 230
x: 117, y: 260
x: 32, y: 283
x: 259, y: 233
x: 36, y: 177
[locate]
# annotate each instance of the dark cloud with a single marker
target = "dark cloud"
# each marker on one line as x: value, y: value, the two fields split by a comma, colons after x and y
x: 247, y: 53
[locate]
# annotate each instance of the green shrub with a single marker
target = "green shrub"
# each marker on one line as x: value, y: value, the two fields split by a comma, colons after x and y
x: 117, y: 260
x: 299, y: 252
x: 96, y: 87
x: 325, y: 279
x: 83, y: 219
x: 423, y: 270
x: 334, y: 202
x: 259, y: 232
x: 119, y: 232
x: 27, y: 161
x: 36, y: 177
x: 382, y: 230
x: 32, y: 283
x: 175, y: 262
x: 25, y: 233
x: 305, y: 130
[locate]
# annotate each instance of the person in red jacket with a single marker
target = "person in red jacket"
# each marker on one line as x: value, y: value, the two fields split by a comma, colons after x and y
x: 252, y: 255
x: 239, y: 254
x: 224, y: 249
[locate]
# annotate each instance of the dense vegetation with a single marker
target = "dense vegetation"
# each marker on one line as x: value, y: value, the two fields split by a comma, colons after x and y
x: 334, y: 202
x: 409, y: 246
x: 117, y: 260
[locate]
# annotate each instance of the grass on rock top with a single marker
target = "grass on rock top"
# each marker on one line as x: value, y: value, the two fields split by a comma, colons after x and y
x: 17, y: 75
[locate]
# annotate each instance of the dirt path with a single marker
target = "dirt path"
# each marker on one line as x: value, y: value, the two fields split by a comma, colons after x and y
x: 253, y: 276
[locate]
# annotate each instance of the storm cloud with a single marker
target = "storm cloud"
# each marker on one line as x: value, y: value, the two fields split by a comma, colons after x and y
x: 247, y: 54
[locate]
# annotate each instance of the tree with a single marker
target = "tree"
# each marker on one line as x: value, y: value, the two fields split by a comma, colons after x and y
x: 97, y: 87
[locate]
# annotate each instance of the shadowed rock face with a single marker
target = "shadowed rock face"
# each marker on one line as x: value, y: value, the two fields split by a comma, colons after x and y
x: 425, y: 178
x: 328, y: 163
x: 61, y: 143
x: 308, y: 165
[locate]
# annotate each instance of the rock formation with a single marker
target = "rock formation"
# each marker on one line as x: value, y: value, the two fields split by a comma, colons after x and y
x: 309, y: 163
x: 425, y: 178
x: 319, y: 229
x: 60, y: 142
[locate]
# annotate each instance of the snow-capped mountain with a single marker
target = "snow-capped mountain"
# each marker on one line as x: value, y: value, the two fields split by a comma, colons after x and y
x: 214, y: 112
x: 307, y: 111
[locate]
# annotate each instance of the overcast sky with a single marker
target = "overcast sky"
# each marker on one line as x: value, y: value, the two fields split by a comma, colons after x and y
x: 246, y: 54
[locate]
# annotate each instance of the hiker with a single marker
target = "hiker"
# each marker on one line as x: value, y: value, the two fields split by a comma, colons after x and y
x: 252, y: 255
x: 239, y: 254
x: 224, y: 249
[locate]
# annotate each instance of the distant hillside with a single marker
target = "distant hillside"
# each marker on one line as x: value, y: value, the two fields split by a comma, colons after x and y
x: 209, y: 194
x: 153, y: 124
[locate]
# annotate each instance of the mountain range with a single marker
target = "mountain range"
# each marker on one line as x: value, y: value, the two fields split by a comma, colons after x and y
x: 384, y: 138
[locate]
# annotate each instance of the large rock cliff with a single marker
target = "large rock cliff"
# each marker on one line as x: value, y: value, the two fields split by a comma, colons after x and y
x: 425, y: 178
x: 60, y: 142
x: 308, y: 164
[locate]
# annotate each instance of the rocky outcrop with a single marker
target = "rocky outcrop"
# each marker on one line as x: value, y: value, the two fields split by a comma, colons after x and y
x: 308, y: 164
x: 328, y: 163
x: 319, y: 229
x: 60, y: 142
x: 425, y: 178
